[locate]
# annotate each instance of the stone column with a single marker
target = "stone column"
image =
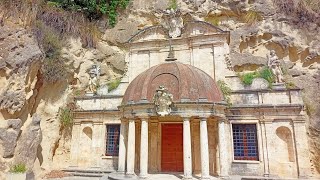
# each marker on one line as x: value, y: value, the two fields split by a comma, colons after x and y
x: 302, y: 150
x: 144, y: 149
x: 122, y: 147
x: 223, y: 150
x: 204, y: 149
x: 265, y: 129
x: 131, y: 147
x: 187, y: 161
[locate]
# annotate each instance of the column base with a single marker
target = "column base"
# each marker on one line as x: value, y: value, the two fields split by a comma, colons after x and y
x: 187, y: 178
x: 224, y: 177
x: 303, y: 177
x: 144, y: 176
x: 205, y: 178
x: 121, y: 176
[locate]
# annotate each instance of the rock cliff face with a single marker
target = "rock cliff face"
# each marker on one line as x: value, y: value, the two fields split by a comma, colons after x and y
x: 30, y: 127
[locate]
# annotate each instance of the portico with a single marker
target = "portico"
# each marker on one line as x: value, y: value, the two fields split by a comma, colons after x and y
x: 202, y: 104
x: 198, y: 160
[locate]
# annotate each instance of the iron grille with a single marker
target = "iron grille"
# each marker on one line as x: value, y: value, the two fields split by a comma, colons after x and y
x: 245, y: 142
x: 112, y: 145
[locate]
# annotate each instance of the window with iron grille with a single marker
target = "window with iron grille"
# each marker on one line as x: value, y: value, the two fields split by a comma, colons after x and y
x: 112, y: 145
x: 245, y: 142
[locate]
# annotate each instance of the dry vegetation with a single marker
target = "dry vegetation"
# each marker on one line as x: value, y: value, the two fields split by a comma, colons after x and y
x: 301, y: 11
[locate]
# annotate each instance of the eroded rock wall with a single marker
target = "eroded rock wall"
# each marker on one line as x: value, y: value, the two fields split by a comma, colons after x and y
x: 23, y: 92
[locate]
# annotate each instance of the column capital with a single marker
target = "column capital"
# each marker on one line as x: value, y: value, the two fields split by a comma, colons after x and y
x: 203, y: 118
x: 130, y: 120
x: 186, y: 118
x: 222, y: 120
x: 143, y: 118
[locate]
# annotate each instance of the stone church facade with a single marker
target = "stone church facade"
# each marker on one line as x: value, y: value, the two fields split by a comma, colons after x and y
x: 192, y: 129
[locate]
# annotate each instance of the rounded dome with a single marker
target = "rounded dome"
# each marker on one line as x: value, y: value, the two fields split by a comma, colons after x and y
x: 185, y: 82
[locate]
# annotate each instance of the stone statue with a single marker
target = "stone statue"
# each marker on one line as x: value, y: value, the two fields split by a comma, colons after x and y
x: 274, y: 65
x: 94, y: 74
x: 163, y: 101
x: 172, y: 22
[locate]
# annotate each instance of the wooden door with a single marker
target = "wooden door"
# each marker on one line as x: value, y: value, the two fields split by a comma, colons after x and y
x: 172, y: 148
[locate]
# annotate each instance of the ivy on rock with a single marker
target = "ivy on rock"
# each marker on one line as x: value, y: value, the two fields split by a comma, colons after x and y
x: 94, y: 9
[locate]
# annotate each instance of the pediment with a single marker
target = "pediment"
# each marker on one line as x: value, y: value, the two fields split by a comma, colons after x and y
x: 193, y: 28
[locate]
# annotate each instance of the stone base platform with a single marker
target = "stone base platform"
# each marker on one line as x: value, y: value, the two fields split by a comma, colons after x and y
x: 120, y: 176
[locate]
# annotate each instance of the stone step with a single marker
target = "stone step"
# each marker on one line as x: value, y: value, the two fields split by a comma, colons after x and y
x: 92, y: 172
x: 103, y: 171
x: 88, y: 174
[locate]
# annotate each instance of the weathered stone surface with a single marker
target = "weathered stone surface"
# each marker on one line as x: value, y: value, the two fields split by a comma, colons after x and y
x: 18, y: 51
x: 122, y: 31
x: 26, y: 151
x: 8, y: 137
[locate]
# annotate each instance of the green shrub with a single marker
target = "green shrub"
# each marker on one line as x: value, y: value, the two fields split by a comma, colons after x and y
x: 94, y: 9
x: 18, y: 168
x: 247, y: 78
x: 114, y: 84
x: 66, y: 117
x: 264, y: 73
x: 267, y: 74
x: 226, y: 91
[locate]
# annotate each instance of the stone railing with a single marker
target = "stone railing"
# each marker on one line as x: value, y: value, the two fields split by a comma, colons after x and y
x: 266, y: 97
x: 98, y: 103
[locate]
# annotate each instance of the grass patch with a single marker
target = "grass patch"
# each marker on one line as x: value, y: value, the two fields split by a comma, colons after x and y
x: 18, y: 168
x: 53, y: 68
x: 290, y: 85
x: 265, y: 73
x: 226, y: 91
x: 173, y: 4
x: 214, y: 20
x: 247, y: 78
x: 113, y: 84
x: 66, y: 117
x: 252, y: 17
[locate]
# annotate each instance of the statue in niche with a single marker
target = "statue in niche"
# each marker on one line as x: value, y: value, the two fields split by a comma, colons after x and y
x: 172, y: 22
x: 163, y: 101
x: 274, y: 64
x: 94, y: 74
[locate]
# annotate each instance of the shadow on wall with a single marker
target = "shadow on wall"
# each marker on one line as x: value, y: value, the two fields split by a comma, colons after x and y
x: 285, y: 135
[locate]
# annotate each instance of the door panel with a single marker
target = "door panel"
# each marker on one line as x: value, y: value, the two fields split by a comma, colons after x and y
x: 172, y: 148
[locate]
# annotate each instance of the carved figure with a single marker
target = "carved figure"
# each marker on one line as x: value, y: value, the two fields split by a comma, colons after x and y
x: 94, y: 74
x: 163, y: 101
x: 274, y: 65
x: 173, y: 22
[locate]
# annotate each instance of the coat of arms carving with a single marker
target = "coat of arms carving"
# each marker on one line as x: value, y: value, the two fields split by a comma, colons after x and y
x: 163, y: 101
x: 173, y: 22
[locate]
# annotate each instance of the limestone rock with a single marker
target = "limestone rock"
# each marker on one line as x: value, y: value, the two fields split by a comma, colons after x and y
x: 18, y: 51
x: 9, y: 135
x: 26, y: 150
x: 122, y: 32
